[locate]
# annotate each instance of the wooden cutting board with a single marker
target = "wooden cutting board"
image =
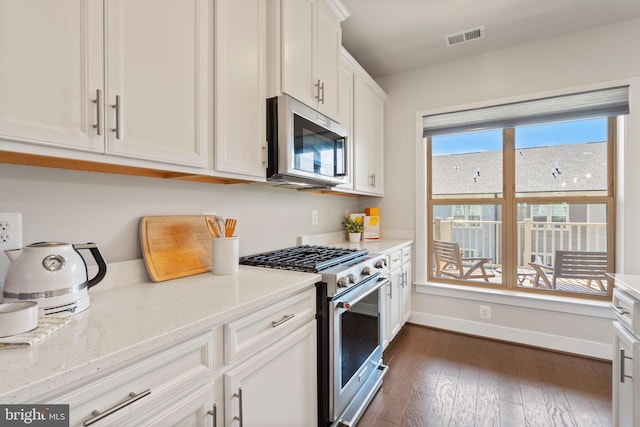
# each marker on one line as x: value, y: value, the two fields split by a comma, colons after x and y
x: 175, y: 246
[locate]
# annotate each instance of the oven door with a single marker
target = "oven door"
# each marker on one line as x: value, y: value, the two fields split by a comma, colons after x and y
x: 355, y: 357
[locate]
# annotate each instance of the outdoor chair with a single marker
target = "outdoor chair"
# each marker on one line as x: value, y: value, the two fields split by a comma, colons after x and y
x: 570, y: 267
x: 449, y: 262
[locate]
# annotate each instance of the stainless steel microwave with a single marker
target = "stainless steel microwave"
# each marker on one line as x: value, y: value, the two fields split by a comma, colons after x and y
x: 306, y: 148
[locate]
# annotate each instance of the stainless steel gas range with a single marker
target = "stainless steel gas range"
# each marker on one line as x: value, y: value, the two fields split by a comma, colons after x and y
x: 349, y: 312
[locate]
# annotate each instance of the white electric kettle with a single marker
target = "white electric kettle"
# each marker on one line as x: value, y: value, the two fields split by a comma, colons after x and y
x: 54, y: 274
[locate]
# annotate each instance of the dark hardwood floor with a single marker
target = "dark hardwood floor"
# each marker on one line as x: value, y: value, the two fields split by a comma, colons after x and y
x: 438, y: 378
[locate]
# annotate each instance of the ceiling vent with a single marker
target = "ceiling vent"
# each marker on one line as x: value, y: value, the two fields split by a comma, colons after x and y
x: 464, y: 36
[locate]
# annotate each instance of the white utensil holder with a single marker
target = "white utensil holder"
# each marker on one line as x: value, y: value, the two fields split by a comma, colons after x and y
x: 225, y: 255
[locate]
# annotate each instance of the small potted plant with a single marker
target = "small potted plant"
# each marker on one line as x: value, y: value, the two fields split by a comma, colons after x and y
x: 354, y: 227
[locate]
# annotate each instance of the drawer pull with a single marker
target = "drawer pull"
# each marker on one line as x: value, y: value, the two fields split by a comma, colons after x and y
x: 286, y: 317
x: 239, y: 416
x: 118, y: 128
x: 622, y: 359
x: 618, y: 310
x: 97, y: 415
x: 214, y: 413
x: 98, y: 102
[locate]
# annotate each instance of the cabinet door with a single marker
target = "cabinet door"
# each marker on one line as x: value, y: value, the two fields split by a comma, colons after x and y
x: 362, y: 98
x: 395, y: 304
x: 345, y: 115
x: 297, y: 27
x: 159, y: 79
x: 277, y: 387
x: 195, y: 410
x: 376, y: 144
x: 240, y: 92
x: 51, y: 56
x: 626, y: 370
x: 328, y: 45
x: 405, y: 310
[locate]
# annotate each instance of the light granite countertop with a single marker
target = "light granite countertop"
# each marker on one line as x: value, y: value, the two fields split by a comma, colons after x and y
x: 131, y: 316
x: 126, y: 322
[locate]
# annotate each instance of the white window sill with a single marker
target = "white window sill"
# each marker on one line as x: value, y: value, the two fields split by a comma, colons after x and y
x: 562, y: 304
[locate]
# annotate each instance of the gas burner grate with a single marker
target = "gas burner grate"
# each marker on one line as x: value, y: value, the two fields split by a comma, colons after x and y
x: 304, y: 258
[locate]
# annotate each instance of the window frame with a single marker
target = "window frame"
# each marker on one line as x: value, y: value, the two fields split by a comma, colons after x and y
x: 509, y: 204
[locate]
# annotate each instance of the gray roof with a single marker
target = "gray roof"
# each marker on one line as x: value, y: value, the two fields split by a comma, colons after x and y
x: 582, y: 167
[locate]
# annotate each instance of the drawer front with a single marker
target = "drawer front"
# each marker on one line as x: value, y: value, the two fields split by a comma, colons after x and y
x: 406, y: 254
x: 626, y: 310
x: 395, y: 260
x: 138, y: 387
x: 251, y: 332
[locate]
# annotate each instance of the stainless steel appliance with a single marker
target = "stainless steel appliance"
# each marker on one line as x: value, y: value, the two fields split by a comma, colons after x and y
x: 305, y: 148
x: 54, y: 275
x: 349, y: 298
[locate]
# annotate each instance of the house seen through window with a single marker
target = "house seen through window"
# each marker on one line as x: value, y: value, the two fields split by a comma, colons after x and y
x: 526, y: 206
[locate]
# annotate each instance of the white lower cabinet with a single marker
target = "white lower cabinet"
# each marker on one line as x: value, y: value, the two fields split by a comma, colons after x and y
x: 397, y: 304
x: 405, y: 291
x: 626, y: 371
x: 257, y: 369
x: 168, y: 384
x: 394, y: 322
x: 277, y: 387
x: 195, y: 410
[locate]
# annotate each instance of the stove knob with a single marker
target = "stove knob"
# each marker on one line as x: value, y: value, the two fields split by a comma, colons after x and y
x: 381, y: 263
x: 366, y: 271
x: 352, y: 277
x: 343, y: 282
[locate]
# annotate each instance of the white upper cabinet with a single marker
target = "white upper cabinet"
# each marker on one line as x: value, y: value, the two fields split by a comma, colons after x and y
x: 361, y: 111
x: 345, y: 115
x: 241, y: 87
x: 158, y: 79
x: 368, y: 135
x: 129, y: 78
x: 305, y: 43
x: 50, y: 70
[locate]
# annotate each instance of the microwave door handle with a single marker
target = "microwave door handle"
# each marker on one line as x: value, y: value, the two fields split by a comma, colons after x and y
x: 344, y: 156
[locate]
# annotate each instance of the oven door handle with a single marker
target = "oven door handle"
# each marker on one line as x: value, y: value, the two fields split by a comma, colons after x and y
x: 348, y: 304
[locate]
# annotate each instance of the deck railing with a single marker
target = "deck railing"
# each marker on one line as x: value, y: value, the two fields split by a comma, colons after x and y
x: 537, y: 241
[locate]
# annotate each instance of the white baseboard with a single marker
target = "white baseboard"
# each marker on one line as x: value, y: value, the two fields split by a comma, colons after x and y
x: 537, y: 339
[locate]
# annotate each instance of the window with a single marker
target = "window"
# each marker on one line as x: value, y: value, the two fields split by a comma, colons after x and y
x: 526, y: 206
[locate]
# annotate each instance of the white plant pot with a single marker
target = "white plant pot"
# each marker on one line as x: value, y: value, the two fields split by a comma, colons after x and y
x: 355, y: 237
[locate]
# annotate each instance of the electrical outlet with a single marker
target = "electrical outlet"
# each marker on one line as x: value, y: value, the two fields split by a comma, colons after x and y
x: 10, y: 238
x: 314, y: 217
x: 485, y: 312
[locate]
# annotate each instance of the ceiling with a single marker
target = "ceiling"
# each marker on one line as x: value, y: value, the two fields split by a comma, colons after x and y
x: 393, y: 36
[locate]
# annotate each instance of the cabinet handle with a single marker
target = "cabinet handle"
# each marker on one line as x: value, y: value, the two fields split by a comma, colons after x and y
x: 371, y: 184
x: 317, y: 86
x: 286, y: 317
x: 239, y: 396
x: 214, y: 413
x: 322, y: 91
x: 404, y: 279
x: 390, y: 290
x: 622, y: 358
x: 618, y: 310
x: 97, y: 415
x: 98, y: 102
x: 117, y: 129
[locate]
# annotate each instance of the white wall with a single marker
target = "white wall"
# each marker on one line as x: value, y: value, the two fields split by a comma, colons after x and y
x: 75, y: 207
x: 581, y: 60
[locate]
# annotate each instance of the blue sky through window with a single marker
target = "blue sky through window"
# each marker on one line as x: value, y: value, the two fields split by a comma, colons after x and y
x: 571, y: 132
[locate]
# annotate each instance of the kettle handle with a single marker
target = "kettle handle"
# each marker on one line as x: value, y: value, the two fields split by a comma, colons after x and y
x: 102, y: 265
